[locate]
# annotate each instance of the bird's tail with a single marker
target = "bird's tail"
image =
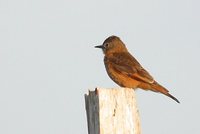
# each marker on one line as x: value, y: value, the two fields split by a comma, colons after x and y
x: 158, y: 88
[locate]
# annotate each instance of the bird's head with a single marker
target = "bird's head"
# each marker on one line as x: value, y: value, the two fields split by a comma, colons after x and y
x: 112, y: 44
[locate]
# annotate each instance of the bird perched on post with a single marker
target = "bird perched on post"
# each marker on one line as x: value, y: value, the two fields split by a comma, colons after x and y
x: 125, y: 70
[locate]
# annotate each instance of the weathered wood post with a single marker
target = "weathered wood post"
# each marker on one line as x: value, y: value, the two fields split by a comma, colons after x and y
x: 112, y: 111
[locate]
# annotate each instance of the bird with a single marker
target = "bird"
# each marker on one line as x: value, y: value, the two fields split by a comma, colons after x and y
x: 125, y: 70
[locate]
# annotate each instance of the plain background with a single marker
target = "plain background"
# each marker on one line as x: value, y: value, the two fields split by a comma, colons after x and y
x: 48, y: 61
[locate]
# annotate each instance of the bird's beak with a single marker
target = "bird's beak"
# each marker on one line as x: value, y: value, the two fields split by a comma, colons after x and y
x: 100, y: 46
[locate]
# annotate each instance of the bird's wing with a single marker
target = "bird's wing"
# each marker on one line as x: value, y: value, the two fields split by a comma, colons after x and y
x: 125, y: 63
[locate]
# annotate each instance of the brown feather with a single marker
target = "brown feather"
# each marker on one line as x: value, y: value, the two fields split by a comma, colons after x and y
x: 125, y: 70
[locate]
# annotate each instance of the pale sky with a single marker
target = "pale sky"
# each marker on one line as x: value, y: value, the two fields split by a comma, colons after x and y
x: 48, y: 61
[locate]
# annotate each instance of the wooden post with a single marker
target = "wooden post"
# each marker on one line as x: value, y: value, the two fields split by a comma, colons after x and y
x: 112, y: 111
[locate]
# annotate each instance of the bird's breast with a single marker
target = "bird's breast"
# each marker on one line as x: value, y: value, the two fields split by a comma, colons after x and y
x: 119, y: 77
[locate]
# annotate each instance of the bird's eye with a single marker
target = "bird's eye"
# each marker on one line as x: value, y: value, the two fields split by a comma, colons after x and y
x: 106, y: 45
